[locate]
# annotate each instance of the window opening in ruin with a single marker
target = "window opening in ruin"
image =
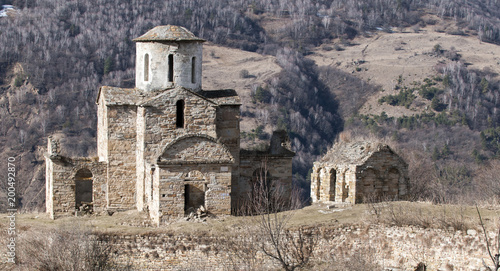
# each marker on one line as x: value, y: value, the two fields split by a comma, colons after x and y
x: 179, y: 121
x: 83, y: 188
x: 333, y: 184
x: 146, y: 67
x: 171, y: 68
x: 193, y: 70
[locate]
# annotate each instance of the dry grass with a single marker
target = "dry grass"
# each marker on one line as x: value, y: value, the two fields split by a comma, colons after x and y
x: 401, y: 213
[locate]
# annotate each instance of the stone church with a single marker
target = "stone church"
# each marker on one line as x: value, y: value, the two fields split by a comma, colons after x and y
x: 356, y: 172
x: 166, y: 145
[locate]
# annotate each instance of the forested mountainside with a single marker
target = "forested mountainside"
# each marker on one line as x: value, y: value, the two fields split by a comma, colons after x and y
x: 54, y: 55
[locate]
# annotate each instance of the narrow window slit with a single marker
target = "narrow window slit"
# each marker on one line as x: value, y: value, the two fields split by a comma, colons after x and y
x: 171, y: 68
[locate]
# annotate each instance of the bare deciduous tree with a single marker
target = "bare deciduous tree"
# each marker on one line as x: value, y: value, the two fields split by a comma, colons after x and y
x: 272, y: 208
x: 495, y: 259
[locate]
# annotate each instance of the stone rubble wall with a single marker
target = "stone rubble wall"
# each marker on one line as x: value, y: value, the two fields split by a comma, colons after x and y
x: 393, y: 248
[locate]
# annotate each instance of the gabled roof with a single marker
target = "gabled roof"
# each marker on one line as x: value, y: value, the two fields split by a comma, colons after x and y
x: 352, y: 153
x: 168, y: 33
x: 135, y: 96
x: 120, y: 96
x: 222, y: 96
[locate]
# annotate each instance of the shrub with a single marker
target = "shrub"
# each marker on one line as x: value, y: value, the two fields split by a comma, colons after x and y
x: 404, y: 98
x: 72, y: 249
x: 244, y: 74
x: 19, y: 80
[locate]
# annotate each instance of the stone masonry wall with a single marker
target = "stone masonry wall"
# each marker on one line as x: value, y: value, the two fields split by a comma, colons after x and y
x: 228, y: 132
x: 121, y: 156
x: 199, y: 118
x: 158, y: 64
x: 279, y: 168
x: 393, y: 248
x: 391, y: 179
x: 102, y: 130
x: 172, y: 181
x: 62, y: 184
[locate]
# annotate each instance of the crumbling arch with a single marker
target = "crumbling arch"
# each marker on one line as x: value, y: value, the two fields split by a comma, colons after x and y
x: 83, y: 188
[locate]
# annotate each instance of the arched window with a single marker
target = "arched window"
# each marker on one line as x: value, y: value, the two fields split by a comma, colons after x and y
x: 193, y: 70
x: 83, y: 187
x: 171, y: 68
x: 179, y: 121
x: 146, y: 67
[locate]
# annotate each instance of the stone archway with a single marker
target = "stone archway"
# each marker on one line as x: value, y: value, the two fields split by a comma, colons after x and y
x: 83, y: 188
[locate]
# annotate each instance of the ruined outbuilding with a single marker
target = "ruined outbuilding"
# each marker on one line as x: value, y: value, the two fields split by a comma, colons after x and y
x: 166, y: 146
x: 356, y: 172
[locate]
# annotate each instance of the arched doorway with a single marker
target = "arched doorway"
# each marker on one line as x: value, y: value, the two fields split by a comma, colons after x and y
x: 83, y: 188
x: 333, y: 184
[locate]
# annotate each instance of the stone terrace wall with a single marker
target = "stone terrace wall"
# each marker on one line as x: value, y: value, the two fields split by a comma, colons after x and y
x: 392, y: 247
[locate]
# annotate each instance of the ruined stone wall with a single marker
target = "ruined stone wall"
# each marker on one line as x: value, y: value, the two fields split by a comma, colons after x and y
x: 173, y: 180
x: 61, y: 184
x: 384, y: 175
x: 122, y: 139
x: 279, y: 169
x: 393, y: 248
x: 228, y: 132
x: 335, y: 183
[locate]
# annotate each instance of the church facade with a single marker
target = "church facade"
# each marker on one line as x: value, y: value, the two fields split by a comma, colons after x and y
x: 165, y: 146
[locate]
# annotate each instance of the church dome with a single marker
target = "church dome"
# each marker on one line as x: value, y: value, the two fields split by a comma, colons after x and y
x: 168, y: 33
